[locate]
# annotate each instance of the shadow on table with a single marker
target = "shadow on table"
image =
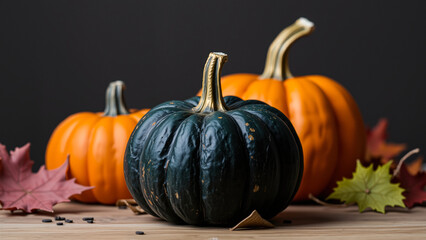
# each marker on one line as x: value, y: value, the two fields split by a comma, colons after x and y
x: 323, y: 215
x: 303, y: 217
x: 387, y: 210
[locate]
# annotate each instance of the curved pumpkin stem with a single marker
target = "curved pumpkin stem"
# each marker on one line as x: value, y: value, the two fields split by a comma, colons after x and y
x: 211, y: 97
x: 115, y: 104
x: 276, y: 66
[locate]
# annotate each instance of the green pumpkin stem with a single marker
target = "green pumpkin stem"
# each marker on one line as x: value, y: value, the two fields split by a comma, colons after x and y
x: 115, y: 104
x: 211, y: 98
x: 276, y: 66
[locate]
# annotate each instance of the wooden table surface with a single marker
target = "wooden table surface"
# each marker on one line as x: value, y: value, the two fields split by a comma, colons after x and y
x: 307, y: 222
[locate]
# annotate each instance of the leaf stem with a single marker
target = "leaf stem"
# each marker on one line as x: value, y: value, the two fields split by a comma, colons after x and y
x: 405, y: 157
x: 327, y: 204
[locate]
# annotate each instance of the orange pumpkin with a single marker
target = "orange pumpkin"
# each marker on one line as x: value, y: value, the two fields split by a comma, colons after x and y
x: 96, y: 143
x: 324, y: 114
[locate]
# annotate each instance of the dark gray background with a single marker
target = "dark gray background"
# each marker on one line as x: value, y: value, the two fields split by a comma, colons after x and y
x: 57, y: 57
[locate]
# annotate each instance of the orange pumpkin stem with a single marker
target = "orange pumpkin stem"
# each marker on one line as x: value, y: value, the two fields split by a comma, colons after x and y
x: 211, y: 97
x: 276, y: 66
x: 115, y: 104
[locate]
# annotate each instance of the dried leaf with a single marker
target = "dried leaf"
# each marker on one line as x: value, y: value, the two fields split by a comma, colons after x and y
x: 369, y: 188
x: 415, y: 166
x: 389, y: 151
x: 378, y: 150
x: 377, y: 135
x: 20, y: 188
x: 414, y: 185
x: 130, y: 203
x: 254, y: 220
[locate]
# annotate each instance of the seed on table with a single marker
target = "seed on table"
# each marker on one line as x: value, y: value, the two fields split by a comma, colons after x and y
x: 58, y: 218
x: 139, y: 233
x: 89, y: 221
x: 59, y: 223
x: 88, y: 218
x: 68, y: 221
x: 46, y: 220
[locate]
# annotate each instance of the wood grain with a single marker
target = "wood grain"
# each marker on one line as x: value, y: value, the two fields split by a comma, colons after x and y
x: 308, y: 222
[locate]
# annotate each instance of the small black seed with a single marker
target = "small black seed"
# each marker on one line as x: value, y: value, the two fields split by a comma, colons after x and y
x: 59, y: 223
x: 58, y: 218
x: 287, y: 221
x: 139, y: 233
x: 122, y: 207
x: 46, y: 220
x: 88, y: 218
x: 68, y: 220
x: 89, y: 221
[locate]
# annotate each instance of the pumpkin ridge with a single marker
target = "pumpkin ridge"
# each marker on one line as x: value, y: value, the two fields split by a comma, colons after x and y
x: 101, y: 137
x: 286, y: 111
x: 114, y: 150
x: 159, y: 119
x: 71, y: 136
x: 122, y: 132
x: 246, y: 189
x: 220, y: 140
x: 349, y: 118
x: 180, y: 166
x: 317, y: 132
x: 254, y: 109
x: 112, y: 169
x: 66, y: 126
x: 133, y: 151
x: 155, y: 152
x: 200, y: 180
x: 252, y: 128
x: 279, y: 90
x: 86, y: 195
x: 337, y: 124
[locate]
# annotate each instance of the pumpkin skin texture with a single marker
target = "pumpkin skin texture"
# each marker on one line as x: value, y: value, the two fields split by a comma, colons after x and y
x: 189, y: 162
x: 324, y: 114
x: 96, y: 143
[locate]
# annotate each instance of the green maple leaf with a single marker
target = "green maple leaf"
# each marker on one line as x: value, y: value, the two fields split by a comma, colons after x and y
x: 369, y: 188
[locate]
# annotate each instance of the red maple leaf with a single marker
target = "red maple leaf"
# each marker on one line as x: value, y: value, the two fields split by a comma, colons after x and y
x: 378, y: 150
x: 20, y: 188
x: 414, y: 185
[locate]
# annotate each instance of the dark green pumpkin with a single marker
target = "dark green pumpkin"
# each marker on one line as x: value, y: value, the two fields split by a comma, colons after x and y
x: 212, y: 161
